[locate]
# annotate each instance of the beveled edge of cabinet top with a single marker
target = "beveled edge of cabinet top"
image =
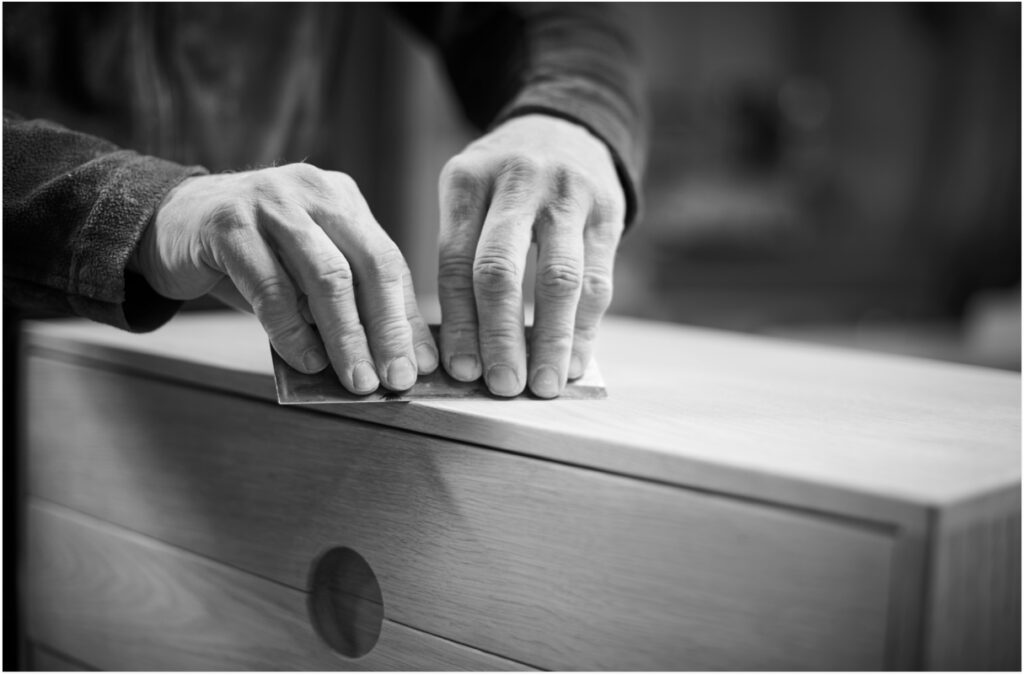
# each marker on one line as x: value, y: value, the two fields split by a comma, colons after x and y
x: 870, y: 436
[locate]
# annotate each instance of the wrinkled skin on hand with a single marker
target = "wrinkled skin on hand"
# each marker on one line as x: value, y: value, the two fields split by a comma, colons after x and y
x: 533, y: 179
x: 295, y: 244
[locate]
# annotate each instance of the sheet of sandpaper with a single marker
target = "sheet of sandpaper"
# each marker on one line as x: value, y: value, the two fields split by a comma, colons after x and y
x: 295, y: 387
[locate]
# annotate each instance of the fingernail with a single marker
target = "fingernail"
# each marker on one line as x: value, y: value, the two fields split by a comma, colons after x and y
x: 363, y: 377
x: 502, y: 380
x: 575, y: 368
x: 426, y: 358
x: 314, y: 359
x: 401, y: 374
x: 464, y: 367
x: 545, y: 382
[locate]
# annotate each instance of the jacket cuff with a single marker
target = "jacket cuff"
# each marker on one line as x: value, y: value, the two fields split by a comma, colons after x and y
x: 142, y: 311
x: 101, y: 288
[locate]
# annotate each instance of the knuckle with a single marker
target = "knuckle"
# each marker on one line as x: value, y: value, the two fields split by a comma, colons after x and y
x: 343, y: 182
x: 332, y: 195
x: 501, y: 335
x: 459, y: 175
x: 562, y: 207
x: 560, y: 214
x: 455, y: 274
x: 553, y: 342
x: 521, y: 169
x: 232, y: 216
x: 584, y: 336
x: 229, y: 231
x: 275, y: 303
x: 302, y: 171
x: 386, y: 267
x: 517, y: 183
x: 271, y: 291
x: 495, y: 272
x: 390, y: 333
x: 570, y: 195
x: 264, y: 184
x: 462, y: 331
x: 332, y: 281
x: 597, y: 292
x: 560, y: 279
x: 347, y: 336
x: 569, y: 181
x: 607, y: 231
x: 610, y: 204
x: 597, y: 285
x: 306, y: 176
x: 287, y: 333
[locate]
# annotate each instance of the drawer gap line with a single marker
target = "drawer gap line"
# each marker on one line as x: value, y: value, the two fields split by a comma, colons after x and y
x: 466, y: 645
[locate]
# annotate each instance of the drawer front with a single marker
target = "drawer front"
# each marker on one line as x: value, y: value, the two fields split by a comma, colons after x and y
x: 550, y: 565
x: 119, y: 601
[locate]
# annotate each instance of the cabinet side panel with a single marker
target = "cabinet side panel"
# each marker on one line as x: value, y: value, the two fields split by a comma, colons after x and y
x: 974, y: 618
x: 907, y: 593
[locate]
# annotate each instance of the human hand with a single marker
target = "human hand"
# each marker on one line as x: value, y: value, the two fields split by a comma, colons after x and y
x: 538, y: 178
x: 295, y: 244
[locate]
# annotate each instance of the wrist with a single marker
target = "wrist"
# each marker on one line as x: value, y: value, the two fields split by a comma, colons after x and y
x: 134, y: 263
x: 141, y: 256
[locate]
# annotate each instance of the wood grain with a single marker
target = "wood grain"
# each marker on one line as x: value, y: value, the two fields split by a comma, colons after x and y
x: 126, y: 602
x: 555, y: 566
x: 876, y: 437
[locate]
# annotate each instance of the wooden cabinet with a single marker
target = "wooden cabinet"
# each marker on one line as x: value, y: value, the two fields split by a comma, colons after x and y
x: 733, y: 504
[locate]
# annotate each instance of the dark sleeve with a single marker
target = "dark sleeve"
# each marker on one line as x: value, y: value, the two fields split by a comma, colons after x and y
x: 75, y: 207
x: 577, y: 61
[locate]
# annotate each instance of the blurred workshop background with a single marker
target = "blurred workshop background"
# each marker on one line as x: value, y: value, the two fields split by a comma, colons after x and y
x: 845, y: 174
x: 840, y: 173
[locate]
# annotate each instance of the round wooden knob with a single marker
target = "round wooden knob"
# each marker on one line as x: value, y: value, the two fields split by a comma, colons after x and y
x: 345, y: 603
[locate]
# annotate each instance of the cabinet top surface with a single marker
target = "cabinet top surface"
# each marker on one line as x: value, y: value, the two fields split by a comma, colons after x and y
x: 821, y: 427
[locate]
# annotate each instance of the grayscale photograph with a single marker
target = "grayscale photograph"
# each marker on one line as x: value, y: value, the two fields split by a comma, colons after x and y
x: 491, y: 336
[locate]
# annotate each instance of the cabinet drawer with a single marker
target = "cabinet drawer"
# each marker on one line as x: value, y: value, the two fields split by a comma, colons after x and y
x: 121, y: 601
x: 550, y: 565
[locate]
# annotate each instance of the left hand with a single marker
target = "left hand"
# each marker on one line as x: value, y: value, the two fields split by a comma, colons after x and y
x: 538, y: 178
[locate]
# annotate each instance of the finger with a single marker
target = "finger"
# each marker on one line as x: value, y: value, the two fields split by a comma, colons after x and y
x: 378, y: 267
x: 304, y: 309
x: 325, y: 276
x: 462, y: 193
x: 599, y: 242
x: 266, y: 287
x: 423, y: 341
x: 226, y: 292
x: 560, y: 256
x: 498, y: 280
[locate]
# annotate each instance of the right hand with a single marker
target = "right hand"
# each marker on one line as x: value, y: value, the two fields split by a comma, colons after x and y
x: 295, y: 244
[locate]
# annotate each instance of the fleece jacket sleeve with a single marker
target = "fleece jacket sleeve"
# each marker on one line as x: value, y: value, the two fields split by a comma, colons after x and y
x: 74, y: 209
x: 576, y: 61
